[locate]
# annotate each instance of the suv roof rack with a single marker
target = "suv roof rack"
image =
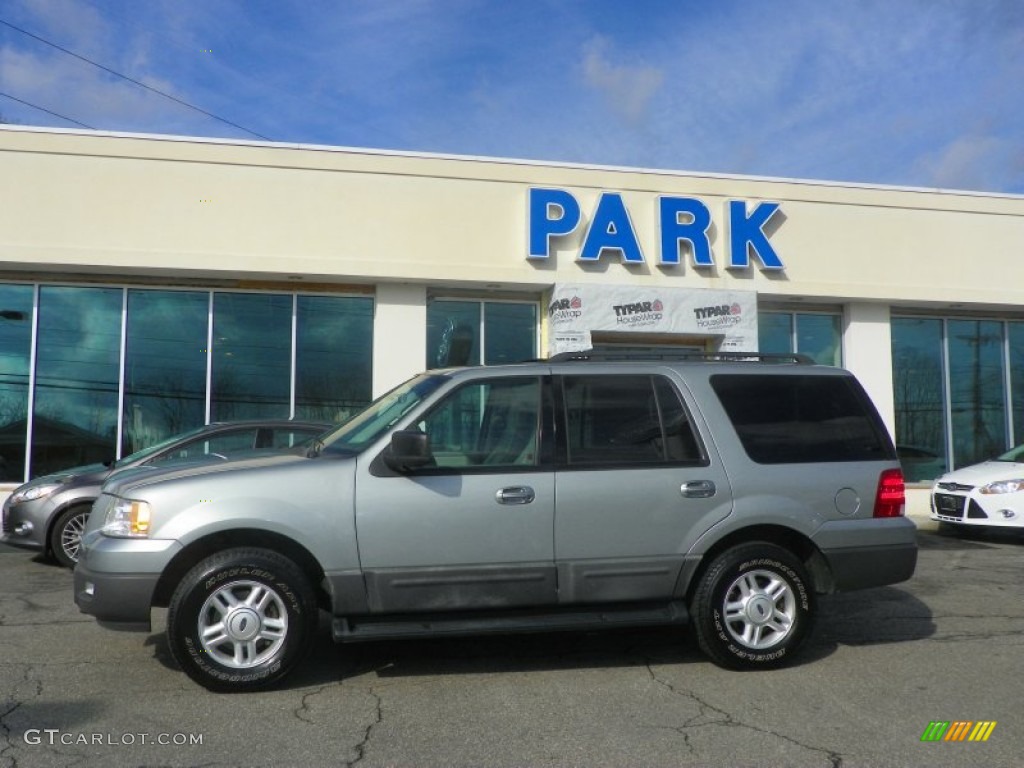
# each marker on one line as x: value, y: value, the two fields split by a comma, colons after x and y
x: 685, y: 355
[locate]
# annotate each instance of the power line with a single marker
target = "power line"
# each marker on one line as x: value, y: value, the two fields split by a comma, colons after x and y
x: 129, y: 79
x: 47, y: 111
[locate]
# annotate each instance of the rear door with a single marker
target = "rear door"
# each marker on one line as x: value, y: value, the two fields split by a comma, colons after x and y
x: 636, y: 485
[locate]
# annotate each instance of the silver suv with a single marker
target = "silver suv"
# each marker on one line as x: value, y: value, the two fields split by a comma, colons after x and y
x: 577, y: 493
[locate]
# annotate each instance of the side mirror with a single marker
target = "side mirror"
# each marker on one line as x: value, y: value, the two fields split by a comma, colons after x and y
x: 409, y: 451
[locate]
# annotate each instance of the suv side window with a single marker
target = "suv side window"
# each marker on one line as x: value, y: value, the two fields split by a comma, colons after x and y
x: 492, y: 423
x: 626, y: 421
x: 802, y: 419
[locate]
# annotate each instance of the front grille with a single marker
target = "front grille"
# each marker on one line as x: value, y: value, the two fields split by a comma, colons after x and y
x: 947, y: 505
x: 8, y: 526
x: 956, y: 487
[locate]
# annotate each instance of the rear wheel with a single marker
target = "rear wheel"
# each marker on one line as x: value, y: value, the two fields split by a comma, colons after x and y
x: 66, y: 535
x: 753, y: 607
x: 241, y: 620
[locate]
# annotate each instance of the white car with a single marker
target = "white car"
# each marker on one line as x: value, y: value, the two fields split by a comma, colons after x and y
x: 986, y: 494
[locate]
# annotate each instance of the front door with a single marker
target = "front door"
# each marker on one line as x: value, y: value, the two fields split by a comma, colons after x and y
x: 475, y: 530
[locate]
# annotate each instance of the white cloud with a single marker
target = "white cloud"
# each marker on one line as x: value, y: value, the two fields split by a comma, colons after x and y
x: 975, y: 162
x: 628, y: 89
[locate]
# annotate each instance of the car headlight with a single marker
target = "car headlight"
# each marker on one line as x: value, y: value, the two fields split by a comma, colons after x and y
x: 33, y: 492
x: 1003, y: 486
x: 128, y: 519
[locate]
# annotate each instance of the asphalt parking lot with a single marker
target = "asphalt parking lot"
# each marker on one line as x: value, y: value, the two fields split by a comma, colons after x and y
x: 946, y: 646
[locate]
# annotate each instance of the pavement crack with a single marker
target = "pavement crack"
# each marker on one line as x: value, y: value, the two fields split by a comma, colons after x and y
x: 304, y: 705
x: 360, y: 748
x: 710, y: 715
x: 5, y: 733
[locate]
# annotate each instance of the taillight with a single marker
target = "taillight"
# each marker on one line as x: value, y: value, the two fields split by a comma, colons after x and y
x: 891, y: 497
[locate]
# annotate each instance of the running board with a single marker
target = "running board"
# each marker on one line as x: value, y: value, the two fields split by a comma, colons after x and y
x: 358, y: 628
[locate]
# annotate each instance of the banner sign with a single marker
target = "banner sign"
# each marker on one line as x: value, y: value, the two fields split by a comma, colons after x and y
x: 577, y: 310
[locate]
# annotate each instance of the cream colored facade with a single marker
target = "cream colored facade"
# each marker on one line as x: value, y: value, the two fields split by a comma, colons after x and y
x: 83, y: 206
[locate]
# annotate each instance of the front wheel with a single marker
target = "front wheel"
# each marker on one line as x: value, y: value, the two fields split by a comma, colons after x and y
x: 66, y: 535
x: 753, y: 607
x: 241, y: 620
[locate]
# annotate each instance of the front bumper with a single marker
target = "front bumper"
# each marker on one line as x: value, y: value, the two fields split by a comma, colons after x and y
x: 868, y: 553
x: 25, y: 525
x: 963, y: 505
x: 115, y: 578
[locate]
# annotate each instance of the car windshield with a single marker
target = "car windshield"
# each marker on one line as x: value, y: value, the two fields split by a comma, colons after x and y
x: 382, y: 414
x: 152, y: 450
x: 1014, y: 454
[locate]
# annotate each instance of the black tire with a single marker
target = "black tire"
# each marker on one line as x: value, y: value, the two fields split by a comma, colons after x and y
x: 66, y: 534
x: 753, y: 607
x: 260, y: 616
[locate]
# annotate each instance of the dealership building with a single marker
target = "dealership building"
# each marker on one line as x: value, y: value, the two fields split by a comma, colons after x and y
x: 150, y: 284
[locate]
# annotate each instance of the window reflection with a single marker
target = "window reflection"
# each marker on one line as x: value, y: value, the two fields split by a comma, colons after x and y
x: 75, y: 414
x: 455, y: 328
x: 15, y: 349
x: 165, y: 366
x: 453, y: 333
x: 818, y: 335
x: 1016, y: 341
x: 510, y: 332
x: 775, y: 333
x: 333, y: 357
x: 251, y: 355
x: 977, y: 395
x: 917, y: 379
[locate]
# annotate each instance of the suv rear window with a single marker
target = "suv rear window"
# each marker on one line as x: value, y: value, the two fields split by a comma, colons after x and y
x: 797, y: 419
x: 626, y: 421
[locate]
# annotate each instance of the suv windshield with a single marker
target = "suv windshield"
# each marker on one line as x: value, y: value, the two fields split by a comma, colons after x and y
x: 380, y: 415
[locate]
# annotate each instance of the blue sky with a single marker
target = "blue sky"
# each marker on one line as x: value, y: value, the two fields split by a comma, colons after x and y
x: 923, y: 93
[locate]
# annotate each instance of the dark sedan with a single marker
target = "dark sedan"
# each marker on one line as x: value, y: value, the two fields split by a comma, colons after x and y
x: 48, y: 513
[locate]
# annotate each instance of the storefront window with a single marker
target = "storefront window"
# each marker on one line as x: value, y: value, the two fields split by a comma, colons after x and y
x: 453, y: 333
x: 952, y: 389
x: 918, y: 393
x: 165, y: 365
x: 15, y: 354
x: 1015, y: 334
x: 510, y: 332
x: 77, y: 367
x: 977, y: 390
x: 254, y: 368
x: 455, y: 330
x: 333, y: 356
x: 251, y: 356
x: 817, y: 335
x: 775, y: 332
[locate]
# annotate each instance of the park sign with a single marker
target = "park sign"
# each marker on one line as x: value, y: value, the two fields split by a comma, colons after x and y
x: 684, y: 226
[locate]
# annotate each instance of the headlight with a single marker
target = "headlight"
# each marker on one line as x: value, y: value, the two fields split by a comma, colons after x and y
x: 33, y: 492
x: 128, y: 519
x: 1003, y: 486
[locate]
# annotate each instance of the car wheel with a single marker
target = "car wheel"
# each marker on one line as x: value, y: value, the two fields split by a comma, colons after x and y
x: 753, y: 607
x: 66, y: 535
x: 241, y: 620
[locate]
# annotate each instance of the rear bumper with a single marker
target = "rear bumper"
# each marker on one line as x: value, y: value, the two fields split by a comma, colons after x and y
x: 868, y: 553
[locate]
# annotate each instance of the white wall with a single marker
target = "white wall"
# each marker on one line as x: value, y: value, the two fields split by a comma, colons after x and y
x: 399, y: 334
x: 867, y: 352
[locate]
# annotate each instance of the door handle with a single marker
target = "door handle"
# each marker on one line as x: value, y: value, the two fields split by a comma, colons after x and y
x: 517, y: 494
x: 698, y: 489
